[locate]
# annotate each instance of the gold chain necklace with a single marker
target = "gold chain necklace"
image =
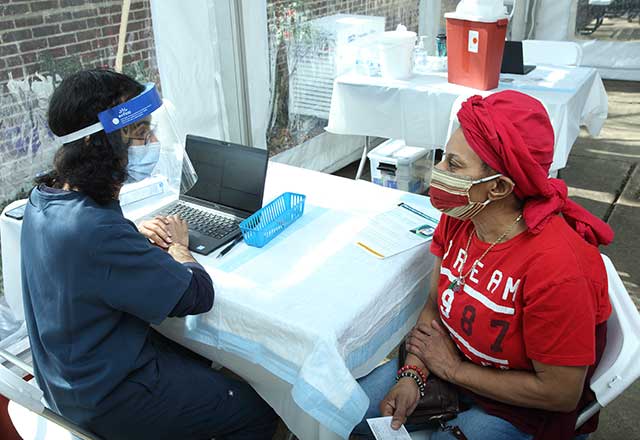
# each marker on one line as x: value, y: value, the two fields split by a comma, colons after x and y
x: 459, y: 282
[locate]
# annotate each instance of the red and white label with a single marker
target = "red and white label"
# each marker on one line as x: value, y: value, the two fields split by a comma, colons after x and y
x: 474, y: 40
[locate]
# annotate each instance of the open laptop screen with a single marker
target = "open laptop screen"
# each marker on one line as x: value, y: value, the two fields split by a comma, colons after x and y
x: 512, y: 59
x: 228, y: 174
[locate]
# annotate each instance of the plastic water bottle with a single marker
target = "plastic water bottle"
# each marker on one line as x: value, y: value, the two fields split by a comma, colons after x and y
x: 421, y: 54
x: 441, y: 45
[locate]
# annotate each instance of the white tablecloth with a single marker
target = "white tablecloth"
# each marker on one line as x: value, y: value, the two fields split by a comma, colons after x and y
x: 303, y: 316
x: 418, y: 109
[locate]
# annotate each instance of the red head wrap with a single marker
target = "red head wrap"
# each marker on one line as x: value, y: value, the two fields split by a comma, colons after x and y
x: 512, y: 133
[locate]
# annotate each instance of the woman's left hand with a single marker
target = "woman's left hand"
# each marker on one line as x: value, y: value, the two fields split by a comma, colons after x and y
x: 433, y: 346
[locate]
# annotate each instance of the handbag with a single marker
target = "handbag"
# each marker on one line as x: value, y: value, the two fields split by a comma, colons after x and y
x: 439, y: 404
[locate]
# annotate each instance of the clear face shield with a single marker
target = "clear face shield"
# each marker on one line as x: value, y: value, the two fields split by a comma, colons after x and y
x: 156, y: 150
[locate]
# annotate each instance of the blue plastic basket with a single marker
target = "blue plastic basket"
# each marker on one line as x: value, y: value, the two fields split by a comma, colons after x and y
x: 272, y: 219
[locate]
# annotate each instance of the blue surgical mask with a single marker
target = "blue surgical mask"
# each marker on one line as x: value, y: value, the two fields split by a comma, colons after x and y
x: 142, y: 161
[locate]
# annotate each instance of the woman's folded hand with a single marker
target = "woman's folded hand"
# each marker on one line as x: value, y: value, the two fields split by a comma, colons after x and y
x: 433, y: 346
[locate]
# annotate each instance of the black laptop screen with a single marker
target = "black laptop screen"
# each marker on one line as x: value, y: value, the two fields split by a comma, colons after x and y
x: 228, y: 174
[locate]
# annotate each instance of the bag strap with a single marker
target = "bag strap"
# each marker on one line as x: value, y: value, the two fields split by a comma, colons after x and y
x: 454, y: 430
x: 457, y: 433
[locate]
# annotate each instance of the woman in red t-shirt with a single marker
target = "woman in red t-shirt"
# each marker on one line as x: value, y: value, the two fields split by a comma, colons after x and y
x: 516, y: 315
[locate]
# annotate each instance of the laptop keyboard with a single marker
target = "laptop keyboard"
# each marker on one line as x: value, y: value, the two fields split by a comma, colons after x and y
x: 208, y: 223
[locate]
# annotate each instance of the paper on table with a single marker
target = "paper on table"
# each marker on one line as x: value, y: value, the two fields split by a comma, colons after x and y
x: 546, y: 78
x: 381, y: 428
x: 395, y: 231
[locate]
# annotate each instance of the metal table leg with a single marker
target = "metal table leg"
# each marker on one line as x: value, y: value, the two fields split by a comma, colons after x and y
x: 363, y: 159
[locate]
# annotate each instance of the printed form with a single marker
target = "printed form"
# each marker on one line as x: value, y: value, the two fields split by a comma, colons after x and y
x: 397, y: 230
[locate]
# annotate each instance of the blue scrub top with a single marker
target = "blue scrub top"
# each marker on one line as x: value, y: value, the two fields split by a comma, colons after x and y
x: 91, y: 286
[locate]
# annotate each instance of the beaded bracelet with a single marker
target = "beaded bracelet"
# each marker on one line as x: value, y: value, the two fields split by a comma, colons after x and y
x: 416, y: 378
x: 416, y: 369
x: 411, y: 374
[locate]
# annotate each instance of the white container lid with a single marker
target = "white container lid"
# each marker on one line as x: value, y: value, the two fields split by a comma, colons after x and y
x: 400, y: 36
x: 484, y: 11
x: 396, y: 152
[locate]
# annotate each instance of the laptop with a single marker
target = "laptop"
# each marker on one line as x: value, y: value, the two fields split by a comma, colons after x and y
x: 513, y: 60
x: 230, y: 188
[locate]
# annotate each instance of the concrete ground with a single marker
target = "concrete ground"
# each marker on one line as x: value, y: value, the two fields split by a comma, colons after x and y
x: 617, y: 29
x: 603, y: 174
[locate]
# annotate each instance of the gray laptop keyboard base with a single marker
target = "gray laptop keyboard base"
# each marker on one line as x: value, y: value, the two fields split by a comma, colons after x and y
x: 205, y: 222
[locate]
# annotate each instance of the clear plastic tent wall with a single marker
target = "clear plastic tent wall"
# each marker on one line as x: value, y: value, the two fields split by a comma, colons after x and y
x: 188, y: 53
x: 39, y: 47
x: 607, y: 30
x: 308, y: 48
x: 26, y: 144
x: 294, y: 50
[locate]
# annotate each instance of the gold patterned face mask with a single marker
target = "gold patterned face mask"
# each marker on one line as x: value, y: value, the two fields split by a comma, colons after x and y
x: 449, y: 194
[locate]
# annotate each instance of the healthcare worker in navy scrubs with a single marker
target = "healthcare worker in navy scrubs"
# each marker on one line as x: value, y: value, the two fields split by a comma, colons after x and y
x: 93, y: 284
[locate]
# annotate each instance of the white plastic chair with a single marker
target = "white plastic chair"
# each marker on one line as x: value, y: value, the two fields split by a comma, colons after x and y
x: 31, y: 418
x: 555, y: 53
x: 620, y: 363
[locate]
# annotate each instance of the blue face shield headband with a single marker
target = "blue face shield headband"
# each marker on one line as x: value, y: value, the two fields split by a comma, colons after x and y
x: 121, y: 115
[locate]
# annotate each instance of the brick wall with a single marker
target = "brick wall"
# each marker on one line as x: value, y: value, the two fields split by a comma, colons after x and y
x: 82, y: 32
x: 54, y: 38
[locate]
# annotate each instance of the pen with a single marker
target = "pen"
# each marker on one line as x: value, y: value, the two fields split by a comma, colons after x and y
x: 420, y: 213
x: 226, y: 250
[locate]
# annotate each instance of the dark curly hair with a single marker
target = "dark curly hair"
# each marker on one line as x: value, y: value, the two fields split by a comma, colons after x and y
x: 96, y: 167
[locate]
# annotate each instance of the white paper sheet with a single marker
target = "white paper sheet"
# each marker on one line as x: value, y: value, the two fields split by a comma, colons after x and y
x: 381, y: 428
x: 395, y: 231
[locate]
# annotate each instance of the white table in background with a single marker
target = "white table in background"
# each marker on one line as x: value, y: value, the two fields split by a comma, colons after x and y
x: 418, y: 109
x: 304, y: 316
